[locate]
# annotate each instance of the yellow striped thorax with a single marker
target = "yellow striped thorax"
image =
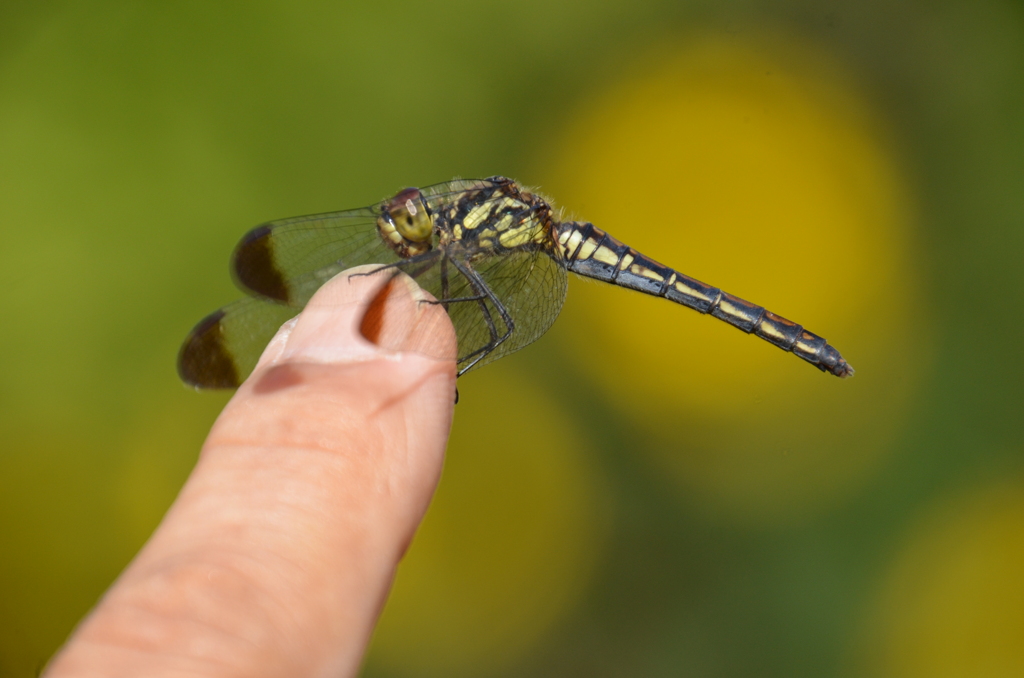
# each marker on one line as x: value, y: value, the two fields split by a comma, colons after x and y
x: 502, y: 217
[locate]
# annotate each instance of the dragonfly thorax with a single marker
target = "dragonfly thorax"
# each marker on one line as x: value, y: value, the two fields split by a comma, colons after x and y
x: 405, y: 223
x: 499, y: 220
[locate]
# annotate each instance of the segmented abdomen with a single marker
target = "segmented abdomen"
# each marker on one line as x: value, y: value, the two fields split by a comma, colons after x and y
x: 589, y: 251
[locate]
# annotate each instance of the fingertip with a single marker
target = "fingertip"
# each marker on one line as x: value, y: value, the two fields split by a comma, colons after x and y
x: 327, y: 330
x: 275, y: 349
x: 379, y: 321
x: 308, y: 491
x: 364, y: 313
x: 368, y: 341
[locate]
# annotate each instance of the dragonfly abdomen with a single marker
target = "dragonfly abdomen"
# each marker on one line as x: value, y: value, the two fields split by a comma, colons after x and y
x: 590, y: 252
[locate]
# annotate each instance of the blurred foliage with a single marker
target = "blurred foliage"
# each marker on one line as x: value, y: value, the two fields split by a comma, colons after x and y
x: 671, y: 497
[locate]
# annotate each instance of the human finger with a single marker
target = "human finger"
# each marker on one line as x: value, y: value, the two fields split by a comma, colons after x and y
x: 277, y: 555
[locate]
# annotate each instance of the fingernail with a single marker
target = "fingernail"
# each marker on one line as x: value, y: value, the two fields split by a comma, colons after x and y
x: 393, y: 313
x: 327, y: 330
x: 357, y: 317
x: 413, y: 322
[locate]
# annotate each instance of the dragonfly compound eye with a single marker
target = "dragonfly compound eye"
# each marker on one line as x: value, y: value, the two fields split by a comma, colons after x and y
x: 409, y: 214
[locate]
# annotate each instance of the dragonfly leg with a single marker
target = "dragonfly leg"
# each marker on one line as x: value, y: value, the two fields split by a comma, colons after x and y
x: 454, y: 300
x: 492, y: 328
x: 445, y: 287
x: 485, y: 295
x: 413, y: 266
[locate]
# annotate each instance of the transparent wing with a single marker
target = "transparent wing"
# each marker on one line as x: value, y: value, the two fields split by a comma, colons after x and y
x: 532, y: 286
x: 287, y: 260
x: 440, y: 195
x: 498, y: 303
x: 278, y: 260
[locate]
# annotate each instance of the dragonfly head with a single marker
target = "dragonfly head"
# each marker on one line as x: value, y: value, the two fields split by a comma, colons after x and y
x: 409, y: 215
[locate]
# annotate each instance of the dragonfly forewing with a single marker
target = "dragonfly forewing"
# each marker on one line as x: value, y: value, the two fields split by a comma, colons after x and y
x: 288, y: 260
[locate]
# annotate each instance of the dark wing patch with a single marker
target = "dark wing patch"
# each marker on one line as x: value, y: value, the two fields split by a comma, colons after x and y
x: 254, y: 266
x: 204, y: 361
x: 223, y: 349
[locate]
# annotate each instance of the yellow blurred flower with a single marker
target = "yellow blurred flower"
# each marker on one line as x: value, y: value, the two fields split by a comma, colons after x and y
x: 755, y: 166
x: 952, y: 603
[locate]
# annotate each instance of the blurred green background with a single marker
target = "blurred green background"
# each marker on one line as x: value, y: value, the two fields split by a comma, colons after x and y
x: 644, y: 491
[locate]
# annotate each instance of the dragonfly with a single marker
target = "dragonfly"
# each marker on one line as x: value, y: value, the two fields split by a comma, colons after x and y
x: 493, y: 253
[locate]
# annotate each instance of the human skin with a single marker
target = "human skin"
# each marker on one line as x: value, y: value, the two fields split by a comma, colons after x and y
x: 277, y: 555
